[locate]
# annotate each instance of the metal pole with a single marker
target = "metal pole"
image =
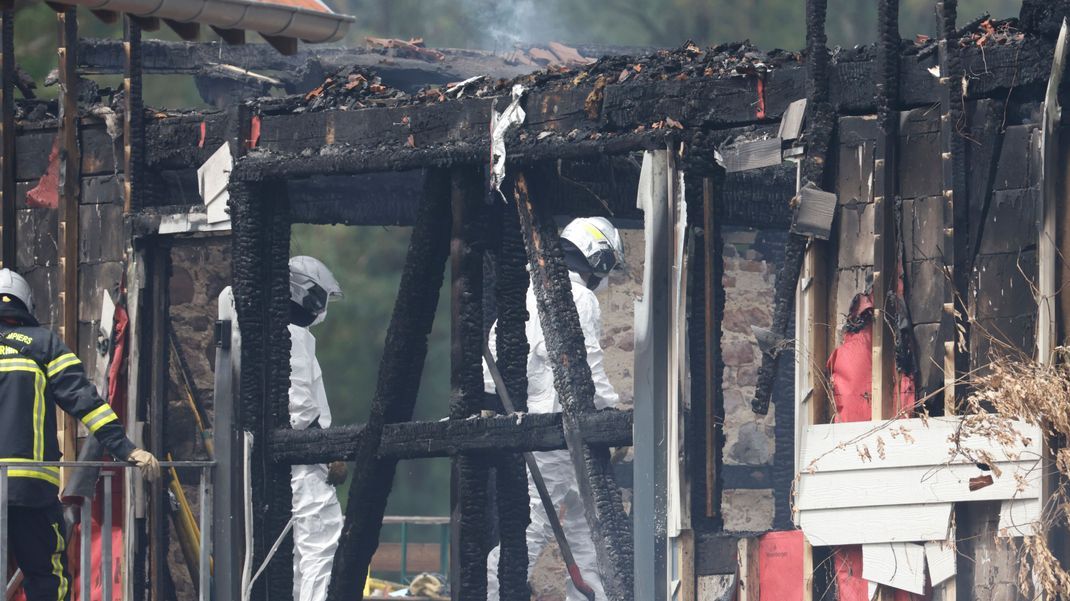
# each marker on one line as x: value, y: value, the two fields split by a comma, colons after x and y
x: 444, y: 549
x: 206, y: 539
x: 106, y: 577
x: 404, y: 550
x: 3, y: 521
x: 85, y: 573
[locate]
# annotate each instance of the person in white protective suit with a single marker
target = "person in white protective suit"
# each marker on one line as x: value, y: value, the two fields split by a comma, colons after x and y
x: 593, y: 248
x: 316, y: 512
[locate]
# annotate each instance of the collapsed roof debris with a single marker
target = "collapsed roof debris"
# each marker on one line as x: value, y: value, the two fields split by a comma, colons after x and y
x: 350, y: 88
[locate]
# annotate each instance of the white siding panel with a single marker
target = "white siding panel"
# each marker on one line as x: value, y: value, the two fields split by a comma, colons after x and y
x: 1016, y: 518
x: 905, y: 442
x: 914, y: 485
x: 866, y: 525
x: 898, y: 565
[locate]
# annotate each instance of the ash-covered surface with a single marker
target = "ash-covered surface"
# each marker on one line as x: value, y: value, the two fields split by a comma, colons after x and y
x: 359, y: 87
x: 982, y: 32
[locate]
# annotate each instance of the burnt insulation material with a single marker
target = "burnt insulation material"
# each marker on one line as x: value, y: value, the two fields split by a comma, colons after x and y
x: 469, y: 224
x: 398, y: 384
x: 603, y: 509
x: 511, y: 480
x: 261, y: 279
x: 821, y: 121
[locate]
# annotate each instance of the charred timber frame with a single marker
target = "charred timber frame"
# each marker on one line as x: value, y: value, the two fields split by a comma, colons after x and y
x: 603, y: 509
x: 8, y: 250
x: 261, y: 241
x: 133, y: 115
x: 952, y: 123
x: 511, y: 475
x: 404, y: 353
x: 449, y: 438
x: 468, y: 565
x: 70, y: 187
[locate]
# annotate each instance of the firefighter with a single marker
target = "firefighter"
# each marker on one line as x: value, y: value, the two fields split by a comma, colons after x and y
x: 593, y: 248
x: 38, y: 371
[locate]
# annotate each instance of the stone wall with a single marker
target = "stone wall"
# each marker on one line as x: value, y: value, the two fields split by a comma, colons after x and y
x: 200, y: 269
x: 751, y: 258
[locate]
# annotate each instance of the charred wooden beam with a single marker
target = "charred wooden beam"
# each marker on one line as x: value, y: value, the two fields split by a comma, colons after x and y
x: 134, y: 115
x: 449, y: 438
x: 511, y: 355
x: 261, y: 250
x: 885, y: 260
x: 468, y: 566
x: 8, y: 250
x: 603, y: 509
x: 821, y: 120
x: 396, y: 389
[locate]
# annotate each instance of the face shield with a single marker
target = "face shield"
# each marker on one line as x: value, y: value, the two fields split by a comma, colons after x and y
x: 313, y: 286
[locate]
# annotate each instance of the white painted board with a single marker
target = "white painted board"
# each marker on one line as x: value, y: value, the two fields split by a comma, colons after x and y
x: 940, y: 557
x: 903, y: 443
x: 898, y: 565
x: 881, y: 524
x: 915, y: 485
x: 212, y: 178
x: 1018, y: 516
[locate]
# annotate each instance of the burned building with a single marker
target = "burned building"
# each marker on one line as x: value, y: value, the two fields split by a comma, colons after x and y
x: 825, y: 232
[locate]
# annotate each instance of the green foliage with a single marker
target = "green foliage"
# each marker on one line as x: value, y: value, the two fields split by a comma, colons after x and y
x: 367, y: 261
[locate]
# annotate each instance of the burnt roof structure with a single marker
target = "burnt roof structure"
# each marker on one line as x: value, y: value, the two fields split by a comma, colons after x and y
x: 931, y: 147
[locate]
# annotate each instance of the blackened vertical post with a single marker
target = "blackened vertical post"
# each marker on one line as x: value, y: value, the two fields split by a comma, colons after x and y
x: 712, y: 263
x: 820, y: 122
x: 511, y: 348
x: 158, y: 363
x: 610, y: 527
x: 953, y: 167
x: 397, y: 386
x: 7, y: 138
x: 134, y: 115
x: 469, y: 498
x: 885, y: 259
x: 70, y: 161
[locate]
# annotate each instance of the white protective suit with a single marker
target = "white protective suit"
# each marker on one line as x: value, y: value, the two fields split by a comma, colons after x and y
x: 556, y: 466
x: 317, y: 514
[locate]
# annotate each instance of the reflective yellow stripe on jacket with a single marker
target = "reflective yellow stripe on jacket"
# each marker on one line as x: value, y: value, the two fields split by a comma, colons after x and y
x: 8, y: 364
x: 61, y: 363
x: 48, y: 474
x: 98, y: 417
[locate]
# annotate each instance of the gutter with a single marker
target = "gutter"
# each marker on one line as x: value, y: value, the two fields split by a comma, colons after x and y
x: 264, y: 17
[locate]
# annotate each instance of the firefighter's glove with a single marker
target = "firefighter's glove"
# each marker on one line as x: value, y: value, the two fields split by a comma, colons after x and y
x: 146, y: 462
x: 337, y: 472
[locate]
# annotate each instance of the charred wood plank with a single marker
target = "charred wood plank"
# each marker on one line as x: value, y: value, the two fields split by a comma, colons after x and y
x: 133, y: 115
x: 820, y: 125
x: 468, y: 565
x: 8, y: 186
x: 603, y: 509
x: 396, y: 390
x: 511, y: 355
x: 449, y: 438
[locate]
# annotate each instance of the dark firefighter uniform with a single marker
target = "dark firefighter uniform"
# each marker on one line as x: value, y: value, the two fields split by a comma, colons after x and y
x: 37, y: 373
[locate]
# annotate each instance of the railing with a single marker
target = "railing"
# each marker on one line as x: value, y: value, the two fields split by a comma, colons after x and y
x: 108, y: 471
x: 404, y: 522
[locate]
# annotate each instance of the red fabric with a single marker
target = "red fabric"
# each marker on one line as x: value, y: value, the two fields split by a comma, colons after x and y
x: 117, y: 399
x: 851, y: 366
x: 780, y: 566
x: 45, y: 195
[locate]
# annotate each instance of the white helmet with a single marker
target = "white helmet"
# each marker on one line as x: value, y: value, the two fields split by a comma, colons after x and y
x: 13, y: 284
x: 312, y: 285
x: 592, y: 245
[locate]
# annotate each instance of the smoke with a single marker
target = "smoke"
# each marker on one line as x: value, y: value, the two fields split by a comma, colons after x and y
x: 502, y: 25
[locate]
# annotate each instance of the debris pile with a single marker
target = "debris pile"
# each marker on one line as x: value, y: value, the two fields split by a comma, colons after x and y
x: 412, y: 48
x: 351, y: 88
x: 982, y: 32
